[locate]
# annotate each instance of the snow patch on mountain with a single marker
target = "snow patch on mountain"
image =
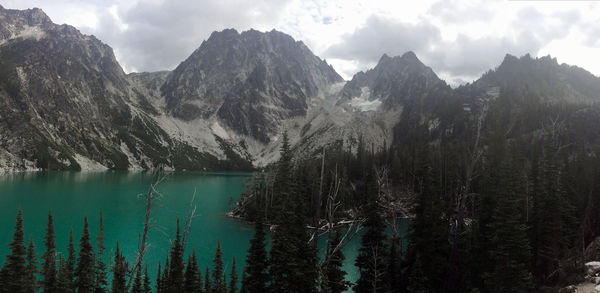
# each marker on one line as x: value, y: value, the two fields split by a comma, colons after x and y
x: 362, y: 103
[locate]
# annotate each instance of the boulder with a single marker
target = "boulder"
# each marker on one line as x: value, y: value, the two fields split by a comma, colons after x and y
x: 592, y: 251
x: 593, y: 267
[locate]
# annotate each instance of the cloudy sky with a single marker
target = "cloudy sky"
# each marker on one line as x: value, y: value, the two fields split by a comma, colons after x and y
x: 458, y: 39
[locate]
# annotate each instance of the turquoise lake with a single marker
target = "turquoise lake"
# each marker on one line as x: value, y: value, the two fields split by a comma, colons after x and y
x: 73, y: 195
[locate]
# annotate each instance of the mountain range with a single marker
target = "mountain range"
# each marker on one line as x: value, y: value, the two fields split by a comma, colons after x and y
x: 66, y: 103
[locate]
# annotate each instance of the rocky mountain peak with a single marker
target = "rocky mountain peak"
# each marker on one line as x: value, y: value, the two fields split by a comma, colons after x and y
x: 392, y: 80
x: 249, y: 80
x: 29, y: 17
x: 30, y: 23
x: 543, y: 76
x: 408, y: 62
x: 33, y: 16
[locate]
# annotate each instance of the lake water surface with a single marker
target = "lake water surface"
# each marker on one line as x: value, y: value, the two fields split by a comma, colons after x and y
x: 74, y: 195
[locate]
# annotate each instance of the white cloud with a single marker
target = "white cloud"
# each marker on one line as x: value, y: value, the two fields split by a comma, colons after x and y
x: 458, y: 39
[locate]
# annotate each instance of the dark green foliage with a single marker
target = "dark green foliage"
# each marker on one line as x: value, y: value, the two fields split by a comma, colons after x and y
x: 146, y: 285
x: 335, y: 275
x: 429, y: 236
x: 207, y: 284
x: 192, y: 273
x: 218, y: 274
x: 199, y: 279
x: 175, y: 279
x: 550, y: 216
x: 255, y: 277
x: 14, y: 278
x: 293, y: 260
x: 119, y: 269
x: 49, y: 257
x: 165, y: 276
x: 159, y: 280
x: 70, y: 264
x: 31, y: 269
x: 371, y: 259
x: 234, y: 160
x: 86, y: 264
x: 137, y: 282
x: 510, y: 250
x: 417, y: 280
x: 233, y: 278
x: 394, y: 269
x: 100, y: 282
x: 64, y: 282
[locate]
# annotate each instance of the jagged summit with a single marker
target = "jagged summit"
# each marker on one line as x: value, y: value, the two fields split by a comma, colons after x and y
x: 511, y: 60
x: 392, y: 80
x: 543, y: 76
x: 249, y: 80
x: 30, y: 17
x: 67, y: 104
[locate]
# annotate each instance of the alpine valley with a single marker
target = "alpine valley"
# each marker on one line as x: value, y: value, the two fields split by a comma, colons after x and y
x: 66, y: 103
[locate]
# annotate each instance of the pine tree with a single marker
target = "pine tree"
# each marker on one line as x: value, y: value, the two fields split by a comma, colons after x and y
x: 137, y: 283
x: 165, y: 276
x: 510, y: 251
x: 146, y: 286
x: 100, y: 282
x: 15, y: 261
x: 218, y: 282
x: 85, y: 276
x: 175, y: 280
x: 293, y: 260
x: 417, y: 280
x: 191, y: 275
x: 282, y: 181
x: 551, y: 213
x: 159, y: 281
x: 120, y: 267
x: 49, y: 257
x: 373, y: 251
x: 429, y: 235
x: 31, y: 268
x: 394, y: 273
x: 3, y: 279
x: 335, y: 275
x: 208, y: 288
x: 70, y: 264
x: 199, y: 278
x: 63, y: 282
x: 233, y: 278
x: 255, y: 277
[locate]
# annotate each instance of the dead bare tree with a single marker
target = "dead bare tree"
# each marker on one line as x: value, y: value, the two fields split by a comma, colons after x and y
x: 377, y: 273
x: 353, y: 225
x: 150, y: 196
x: 317, y: 204
x: 188, y: 220
x: 385, y: 194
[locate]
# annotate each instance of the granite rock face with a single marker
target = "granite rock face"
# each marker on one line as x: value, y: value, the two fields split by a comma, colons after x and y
x: 393, y: 81
x: 250, y: 81
x: 65, y: 103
